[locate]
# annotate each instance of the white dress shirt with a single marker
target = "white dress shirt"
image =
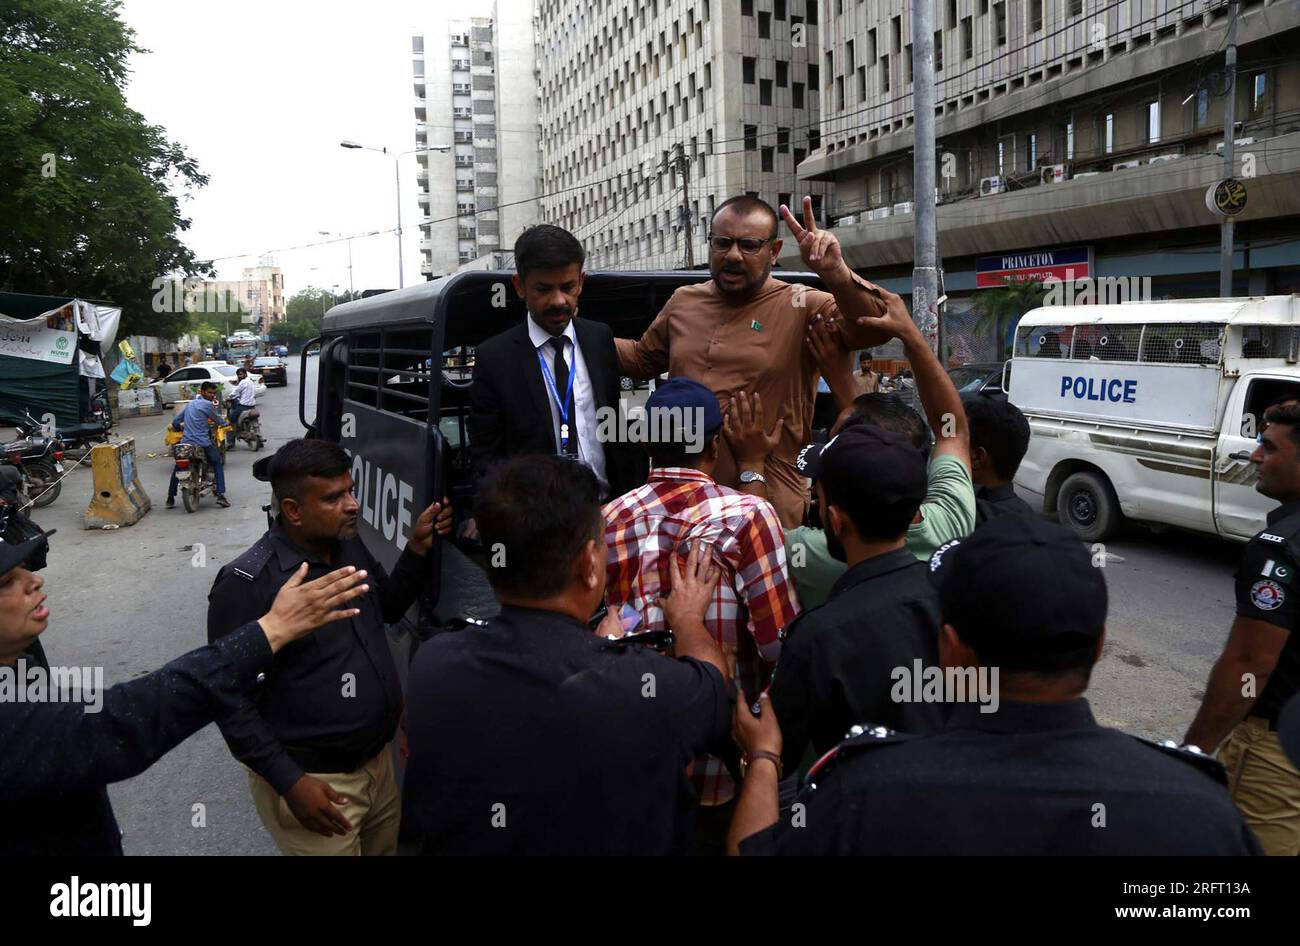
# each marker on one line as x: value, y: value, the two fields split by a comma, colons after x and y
x: 590, y: 450
x: 245, y: 394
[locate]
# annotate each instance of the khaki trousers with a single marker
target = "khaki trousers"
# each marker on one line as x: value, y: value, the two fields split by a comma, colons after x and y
x: 374, y: 807
x: 1265, y: 785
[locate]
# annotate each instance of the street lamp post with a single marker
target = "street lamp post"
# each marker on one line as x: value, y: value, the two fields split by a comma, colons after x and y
x: 397, y: 172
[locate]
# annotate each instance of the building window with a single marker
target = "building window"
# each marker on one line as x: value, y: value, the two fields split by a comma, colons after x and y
x: 896, y: 30
x: 951, y: 17
x: 1201, y: 116
x: 778, y: 9
x: 1258, y: 94
x: 1153, y: 122
x: 1031, y: 151
x: 810, y: 11
x: 814, y: 76
x: 1035, y: 15
x: 764, y: 91
x: 1000, y: 23
x: 766, y: 159
x: 799, y: 155
x: 848, y: 58
x: 782, y: 74
x: 884, y: 73
x: 839, y: 93
x: 796, y: 94
x: 1108, y: 131
x: 1076, y: 7
x: 938, y: 50
x: 751, y: 137
x: 967, y: 39
x: 783, y: 200
x: 862, y: 83
x: 907, y: 64
x: 1006, y: 154
x: 746, y: 7
x: 871, y: 47
x: 1069, y: 140
x: 783, y: 140
x: 765, y: 26
x: 747, y: 69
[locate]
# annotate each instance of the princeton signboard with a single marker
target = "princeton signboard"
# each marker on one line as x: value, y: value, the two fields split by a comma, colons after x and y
x: 1066, y: 264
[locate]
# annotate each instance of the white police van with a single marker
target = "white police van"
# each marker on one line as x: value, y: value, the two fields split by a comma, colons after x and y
x: 1150, y: 410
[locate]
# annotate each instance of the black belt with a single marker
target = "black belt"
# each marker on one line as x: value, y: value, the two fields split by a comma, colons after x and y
x: 332, y: 761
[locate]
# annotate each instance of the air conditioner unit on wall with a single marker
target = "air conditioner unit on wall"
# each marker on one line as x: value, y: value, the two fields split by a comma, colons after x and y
x: 1054, y: 174
x: 992, y: 185
x: 1162, y: 158
x: 847, y: 220
x: 1083, y: 174
x: 906, y: 207
x: 1124, y: 165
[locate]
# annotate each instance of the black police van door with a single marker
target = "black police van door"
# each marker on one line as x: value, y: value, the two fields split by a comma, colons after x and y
x: 376, y: 396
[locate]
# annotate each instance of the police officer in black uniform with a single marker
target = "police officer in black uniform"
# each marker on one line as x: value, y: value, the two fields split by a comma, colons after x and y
x: 534, y: 735
x: 315, y: 734
x: 838, y: 660
x: 57, y: 756
x: 1037, y: 775
x: 999, y: 440
x: 1259, y: 669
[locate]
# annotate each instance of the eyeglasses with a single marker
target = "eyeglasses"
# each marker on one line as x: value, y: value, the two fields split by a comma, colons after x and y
x: 748, y: 245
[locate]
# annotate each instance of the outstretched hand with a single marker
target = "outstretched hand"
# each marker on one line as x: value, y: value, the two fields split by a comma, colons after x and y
x: 820, y: 249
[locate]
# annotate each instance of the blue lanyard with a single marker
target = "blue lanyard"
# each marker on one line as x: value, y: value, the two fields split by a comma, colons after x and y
x: 563, y: 407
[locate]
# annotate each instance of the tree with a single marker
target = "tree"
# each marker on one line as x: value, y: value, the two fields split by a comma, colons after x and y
x: 85, y: 181
x: 1001, y: 307
x: 309, y: 303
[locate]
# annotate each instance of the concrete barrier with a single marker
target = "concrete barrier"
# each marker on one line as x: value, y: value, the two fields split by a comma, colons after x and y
x: 119, y: 499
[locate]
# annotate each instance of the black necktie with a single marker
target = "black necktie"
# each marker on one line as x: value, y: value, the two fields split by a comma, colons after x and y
x: 561, y: 386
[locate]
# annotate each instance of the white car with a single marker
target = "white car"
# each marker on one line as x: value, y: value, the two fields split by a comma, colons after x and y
x: 218, y: 372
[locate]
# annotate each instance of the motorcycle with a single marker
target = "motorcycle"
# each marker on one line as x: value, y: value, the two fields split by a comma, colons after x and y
x: 80, y: 437
x: 249, y: 427
x: 39, y: 460
x: 195, y: 476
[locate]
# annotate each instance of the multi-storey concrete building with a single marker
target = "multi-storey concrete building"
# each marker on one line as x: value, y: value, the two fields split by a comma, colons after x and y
x: 476, y: 92
x: 1066, y: 125
x: 655, y: 111
x: 259, y: 290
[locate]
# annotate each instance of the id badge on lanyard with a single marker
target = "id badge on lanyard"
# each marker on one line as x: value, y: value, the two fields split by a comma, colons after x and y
x: 561, y: 406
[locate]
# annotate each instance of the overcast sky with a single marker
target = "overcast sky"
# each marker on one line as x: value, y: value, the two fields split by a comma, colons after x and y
x: 259, y: 93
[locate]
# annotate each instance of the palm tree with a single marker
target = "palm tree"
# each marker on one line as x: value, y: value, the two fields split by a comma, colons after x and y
x: 1001, y: 307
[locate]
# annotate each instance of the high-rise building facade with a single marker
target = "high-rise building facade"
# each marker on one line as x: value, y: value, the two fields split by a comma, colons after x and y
x: 476, y: 95
x: 259, y: 291
x: 1069, y: 128
x: 655, y: 111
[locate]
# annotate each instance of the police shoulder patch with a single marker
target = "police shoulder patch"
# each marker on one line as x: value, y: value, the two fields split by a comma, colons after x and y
x: 859, y: 738
x: 1270, y: 537
x: 1192, y: 755
x: 1267, y: 595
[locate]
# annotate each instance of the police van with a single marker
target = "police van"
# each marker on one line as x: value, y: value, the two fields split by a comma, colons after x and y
x: 393, y: 382
x: 1150, y: 410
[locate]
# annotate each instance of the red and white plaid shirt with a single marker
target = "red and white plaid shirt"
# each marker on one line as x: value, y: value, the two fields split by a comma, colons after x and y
x: 754, y: 598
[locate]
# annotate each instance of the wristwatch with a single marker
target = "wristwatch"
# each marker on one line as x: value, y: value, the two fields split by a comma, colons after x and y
x: 750, y: 476
x: 772, y: 757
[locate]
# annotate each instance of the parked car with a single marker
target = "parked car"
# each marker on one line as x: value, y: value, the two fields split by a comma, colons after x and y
x: 272, y: 370
x: 985, y: 379
x: 222, y: 374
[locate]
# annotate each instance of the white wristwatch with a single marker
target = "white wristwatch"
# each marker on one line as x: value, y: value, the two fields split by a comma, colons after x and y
x: 749, y: 476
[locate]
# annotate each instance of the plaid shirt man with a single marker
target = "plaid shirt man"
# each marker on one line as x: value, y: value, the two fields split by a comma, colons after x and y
x: 754, y: 598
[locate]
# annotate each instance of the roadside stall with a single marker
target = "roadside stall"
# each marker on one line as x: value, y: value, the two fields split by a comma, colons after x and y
x: 50, y: 349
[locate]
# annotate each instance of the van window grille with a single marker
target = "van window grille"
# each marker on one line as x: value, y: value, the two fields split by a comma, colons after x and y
x: 1107, y: 342
x: 1044, y: 341
x: 407, y: 373
x: 363, y: 368
x: 1181, y: 344
x: 1265, y: 341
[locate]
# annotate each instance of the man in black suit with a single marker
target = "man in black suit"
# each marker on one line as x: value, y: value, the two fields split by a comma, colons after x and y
x: 539, y: 386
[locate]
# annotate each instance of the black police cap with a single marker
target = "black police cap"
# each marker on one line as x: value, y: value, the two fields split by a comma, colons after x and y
x: 1023, y: 592
x: 27, y: 552
x: 866, y: 464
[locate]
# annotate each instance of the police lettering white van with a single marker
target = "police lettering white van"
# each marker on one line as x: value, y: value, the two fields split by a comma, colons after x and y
x: 1150, y: 410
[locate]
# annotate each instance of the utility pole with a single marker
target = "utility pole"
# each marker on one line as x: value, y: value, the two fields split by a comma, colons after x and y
x: 925, y: 267
x: 1229, y: 133
x: 684, y: 169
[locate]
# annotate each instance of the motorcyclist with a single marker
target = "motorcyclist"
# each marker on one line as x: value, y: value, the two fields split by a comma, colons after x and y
x: 244, y: 397
x: 197, y: 422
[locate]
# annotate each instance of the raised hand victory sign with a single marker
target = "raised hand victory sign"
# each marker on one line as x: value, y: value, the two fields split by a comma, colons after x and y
x: 820, y: 249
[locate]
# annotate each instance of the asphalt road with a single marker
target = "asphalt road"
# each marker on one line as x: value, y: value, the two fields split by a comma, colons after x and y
x: 131, y: 599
